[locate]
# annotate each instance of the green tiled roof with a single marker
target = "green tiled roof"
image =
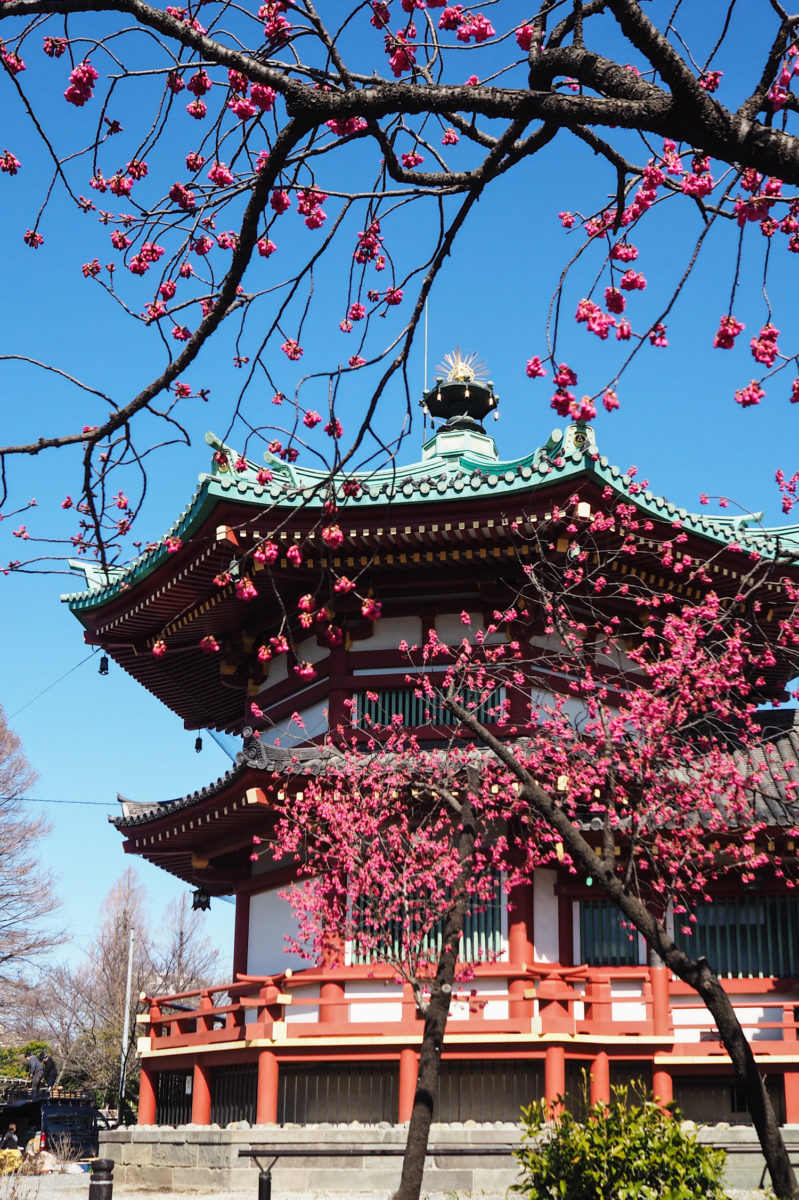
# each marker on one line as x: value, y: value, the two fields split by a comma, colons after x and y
x: 456, y: 465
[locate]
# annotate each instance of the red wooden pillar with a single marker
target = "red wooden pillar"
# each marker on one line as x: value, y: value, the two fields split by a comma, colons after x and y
x: 600, y: 1079
x: 662, y: 1086
x: 266, y: 1103
x: 241, y: 934
x: 521, y: 951
x: 201, y: 1095
x: 791, y: 1096
x: 408, y: 1072
x: 147, y: 1096
x: 661, y: 1008
x: 791, y: 1076
x: 554, y: 1075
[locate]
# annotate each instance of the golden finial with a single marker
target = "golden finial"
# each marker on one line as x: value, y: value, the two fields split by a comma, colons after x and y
x: 462, y: 368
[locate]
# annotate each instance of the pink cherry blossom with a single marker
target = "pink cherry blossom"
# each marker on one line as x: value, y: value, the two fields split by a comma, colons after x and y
x: 749, y: 395
x: 728, y: 330
x: 332, y: 536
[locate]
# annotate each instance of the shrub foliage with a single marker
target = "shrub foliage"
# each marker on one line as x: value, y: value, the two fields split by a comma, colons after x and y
x: 621, y: 1151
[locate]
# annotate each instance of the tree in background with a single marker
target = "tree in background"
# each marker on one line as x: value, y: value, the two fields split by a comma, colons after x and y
x: 263, y: 177
x: 79, y: 1011
x: 26, y: 889
x: 645, y: 772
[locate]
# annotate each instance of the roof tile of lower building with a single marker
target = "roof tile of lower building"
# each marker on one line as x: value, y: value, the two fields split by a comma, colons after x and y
x: 775, y: 760
x: 443, y: 475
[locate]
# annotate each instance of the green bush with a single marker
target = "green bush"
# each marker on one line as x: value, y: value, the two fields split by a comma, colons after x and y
x: 621, y: 1151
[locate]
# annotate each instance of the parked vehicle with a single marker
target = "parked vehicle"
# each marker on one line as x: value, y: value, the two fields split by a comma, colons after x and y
x: 66, y: 1125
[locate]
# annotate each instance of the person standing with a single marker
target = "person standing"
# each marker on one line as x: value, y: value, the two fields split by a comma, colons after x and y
x: 50, y: 1069
x: 10, y: 1141
x: 36, y: 1068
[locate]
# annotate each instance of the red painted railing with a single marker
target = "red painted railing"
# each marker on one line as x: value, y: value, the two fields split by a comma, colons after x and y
x: 576, y: 1002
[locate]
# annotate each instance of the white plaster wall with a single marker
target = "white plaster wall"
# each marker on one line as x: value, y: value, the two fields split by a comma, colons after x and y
x: 290, y: 733
x: 305, y: 1013
x: 753, y: 1016
x: 388, y: 632
x: 698, y: 1018
x: 627, y: 1000
x: 309, y: 650
x: 278, y: 673
x: 545, y: 910
x: 270, y: 918
x: 382, y: 1007
x: 493, y: 991
x: 451, y: 629
x: 750, y: 1010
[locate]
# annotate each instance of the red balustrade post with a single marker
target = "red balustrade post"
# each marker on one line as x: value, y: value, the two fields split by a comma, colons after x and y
x: 331, y: 1012
x: 408, y: 1072
x: 147, y: 1096
x: 205, y: 1023
x: 521, y: 951
x: 201, y: 1095
x: 266, y: 1102
x: 155, y: 1014
x: 331, y: 991
x: 598, y: 1005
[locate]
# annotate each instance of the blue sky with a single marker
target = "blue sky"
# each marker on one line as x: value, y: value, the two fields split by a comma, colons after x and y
x: 91, y: 737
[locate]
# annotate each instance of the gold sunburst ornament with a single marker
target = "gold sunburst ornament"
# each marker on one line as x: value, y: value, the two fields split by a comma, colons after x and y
x: 462, y: 368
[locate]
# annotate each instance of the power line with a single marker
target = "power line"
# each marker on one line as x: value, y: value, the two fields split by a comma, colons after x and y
x: 47, y: 689
x: 41, y: 800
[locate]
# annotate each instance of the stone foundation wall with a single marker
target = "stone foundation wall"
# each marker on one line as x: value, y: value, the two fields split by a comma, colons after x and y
x: 206, y: 1158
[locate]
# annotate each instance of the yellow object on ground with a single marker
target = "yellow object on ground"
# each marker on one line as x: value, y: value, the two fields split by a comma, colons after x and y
x: 10, y: 1160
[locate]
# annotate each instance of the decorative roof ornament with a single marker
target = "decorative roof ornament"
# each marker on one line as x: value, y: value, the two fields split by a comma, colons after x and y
x: 461, y: 395
x: 462, y: 368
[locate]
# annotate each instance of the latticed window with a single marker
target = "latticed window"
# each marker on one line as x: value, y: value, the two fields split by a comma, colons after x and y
x: 748, y: 936
x: 378, y: 707
x: 606, y: 940
x: 481, y: 940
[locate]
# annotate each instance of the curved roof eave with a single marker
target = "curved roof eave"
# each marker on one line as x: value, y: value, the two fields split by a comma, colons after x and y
x: 568, y: 454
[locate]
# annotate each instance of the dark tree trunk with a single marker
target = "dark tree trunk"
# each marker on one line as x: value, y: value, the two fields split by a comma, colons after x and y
x: 700, y: 977
x: 436, y: 1013
x: 697, y: 974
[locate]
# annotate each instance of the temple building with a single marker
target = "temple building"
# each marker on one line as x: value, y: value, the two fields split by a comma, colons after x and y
x: 558, y: 984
